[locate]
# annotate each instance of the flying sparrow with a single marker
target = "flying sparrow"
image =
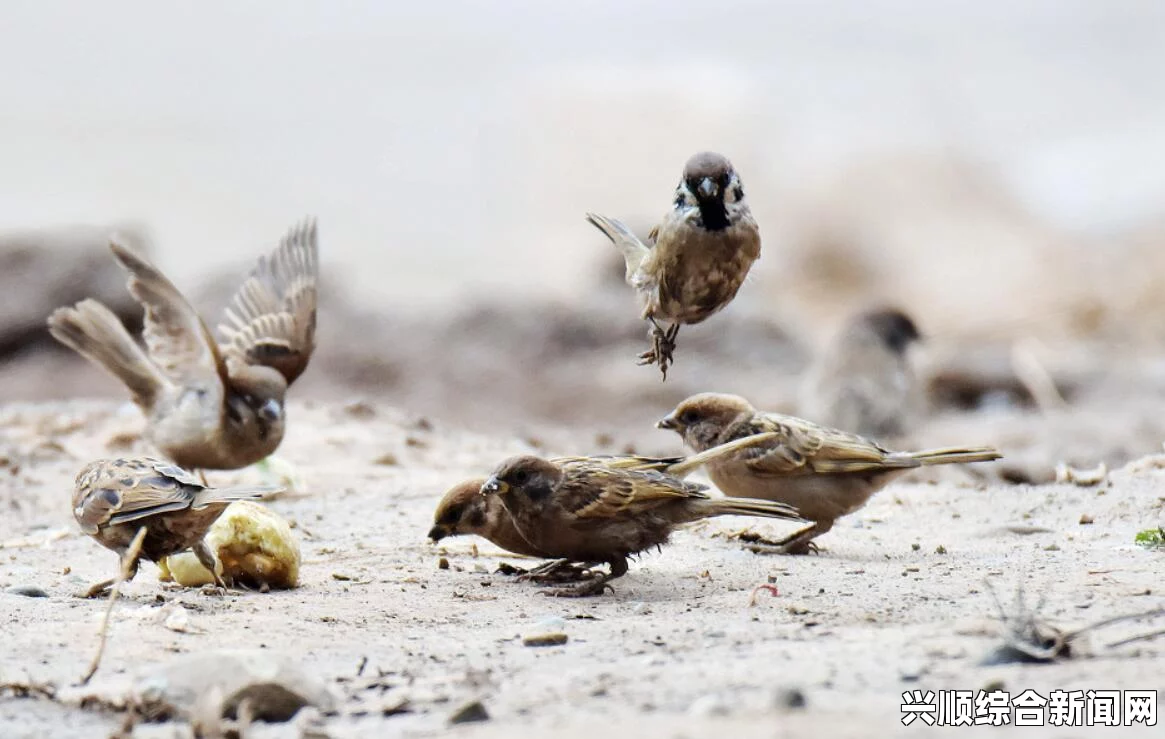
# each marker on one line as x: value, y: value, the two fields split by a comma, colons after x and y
x: 696, y: 259
x: 822, y: 472
x: 586, y: 511
x: 208, y: 404
x: 864, y: 382
x: 114, y: 498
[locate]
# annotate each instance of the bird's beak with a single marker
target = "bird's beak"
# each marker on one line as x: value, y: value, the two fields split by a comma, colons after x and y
x: 708, y: 189
x: 437, y: 533
x: 270, y: 411
x: 494, y: 486
x: 668, y: 423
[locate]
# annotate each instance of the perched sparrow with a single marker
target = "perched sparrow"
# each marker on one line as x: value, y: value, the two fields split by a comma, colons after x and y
x: 116, y: 497
x: 208, y: 404
x: 822, y: 472
x: 864, y: 382
x: 586, y: 511
x: 696, y: 258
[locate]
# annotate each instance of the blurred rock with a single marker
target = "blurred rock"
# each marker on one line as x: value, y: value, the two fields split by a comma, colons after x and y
x: 43, y: 270
x: 274, y: 686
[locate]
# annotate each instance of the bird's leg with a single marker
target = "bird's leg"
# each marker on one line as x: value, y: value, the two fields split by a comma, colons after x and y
x: 597, y: 584
x: 559, y: 570
x: 99, y: 589
x: 210, y: 562
x: 202, y: 476
x: 663, y: 345
x: 130, y: 568
x: 799, y: 542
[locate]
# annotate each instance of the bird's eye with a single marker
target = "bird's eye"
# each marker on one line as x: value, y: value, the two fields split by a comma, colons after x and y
x: 521, y: 477
x: 688, y: 417
x: 738, y: 193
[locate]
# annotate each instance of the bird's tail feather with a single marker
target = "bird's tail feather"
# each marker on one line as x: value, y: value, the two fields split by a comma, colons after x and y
x: 633, y: 250
x: 210, y: 496
x: 684, y: 467
x: 956, y: 455
x: 749, y: 507
x: 94, y: 332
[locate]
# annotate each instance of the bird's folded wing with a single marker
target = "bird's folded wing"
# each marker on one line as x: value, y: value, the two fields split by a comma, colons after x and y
x: 805, y: 448
x: 177, y: 339
x: 271, y: 320
x: 593, y: 492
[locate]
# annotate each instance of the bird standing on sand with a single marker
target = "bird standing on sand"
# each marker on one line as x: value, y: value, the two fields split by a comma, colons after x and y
x: 822, y: 472
x: 583, y: 510
x: 696, y: 259
x: 114, y: 498
x: 208, y: 404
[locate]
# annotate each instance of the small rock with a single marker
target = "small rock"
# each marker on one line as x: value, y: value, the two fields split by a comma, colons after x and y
x: 916, y: 546
x: 550, y: 639
x: 940, y: 549
x: 469, y: 713
x: 1085, y: 519
x: 28, y: 591
x: 275, y: 686
x: 790, y: 699
x: 388, y: 459
x: 551, y: 623
x: 708, y: 705
x: 443, y: 564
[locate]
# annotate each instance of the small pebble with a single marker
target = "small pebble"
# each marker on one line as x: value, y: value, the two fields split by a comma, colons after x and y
x: 550, y: 624
x: 28, y: 591
x: 1085, y: 519
x: 790, y: 699
x: 443, y: 564
x: 551, y: 639
x: 469, y: 713
x: 708, y: 705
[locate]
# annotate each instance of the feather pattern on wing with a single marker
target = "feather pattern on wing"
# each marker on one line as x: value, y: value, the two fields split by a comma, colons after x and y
x: 271, y: 320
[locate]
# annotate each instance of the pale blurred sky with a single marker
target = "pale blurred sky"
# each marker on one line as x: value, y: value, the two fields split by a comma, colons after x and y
x: 455, y: 146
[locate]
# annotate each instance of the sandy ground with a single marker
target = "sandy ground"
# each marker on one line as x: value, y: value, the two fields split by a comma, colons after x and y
x: 897, y: 601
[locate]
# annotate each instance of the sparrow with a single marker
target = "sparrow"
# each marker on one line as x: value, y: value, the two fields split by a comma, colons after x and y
x: 822, y: 472
x: 586, y: 511
x: 114, y: 498
x: 463, y: 510
x: 208, y: 404
x: 696, y: 259
x: 864, y: 382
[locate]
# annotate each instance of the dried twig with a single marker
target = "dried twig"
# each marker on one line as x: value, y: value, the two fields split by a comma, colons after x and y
x: 127, y: 566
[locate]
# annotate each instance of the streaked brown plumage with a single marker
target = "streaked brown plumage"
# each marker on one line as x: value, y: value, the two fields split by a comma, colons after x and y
x: 208, y: 404
x: 863, y: 382
x: 463, y: 510
x: 696, y: 259
x: 586, y: 511
x: 822, y: 472
x: 116, y: 497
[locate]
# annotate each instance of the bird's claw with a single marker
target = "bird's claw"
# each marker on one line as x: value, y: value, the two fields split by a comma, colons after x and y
x: 791, y: 548
x: 596, y: 586
x: 555, y: 572
x: 663, y: 346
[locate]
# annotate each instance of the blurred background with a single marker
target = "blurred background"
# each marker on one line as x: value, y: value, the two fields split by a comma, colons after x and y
x: 995, y: 168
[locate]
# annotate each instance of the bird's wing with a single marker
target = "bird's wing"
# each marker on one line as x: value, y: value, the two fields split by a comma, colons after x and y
x: 593, y: 491
x: 802, y: 447
x: 271, y: 320
x: 626, y: 461
x: 178, y: 341
x: 127, y: 490
x: 633, y: 250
